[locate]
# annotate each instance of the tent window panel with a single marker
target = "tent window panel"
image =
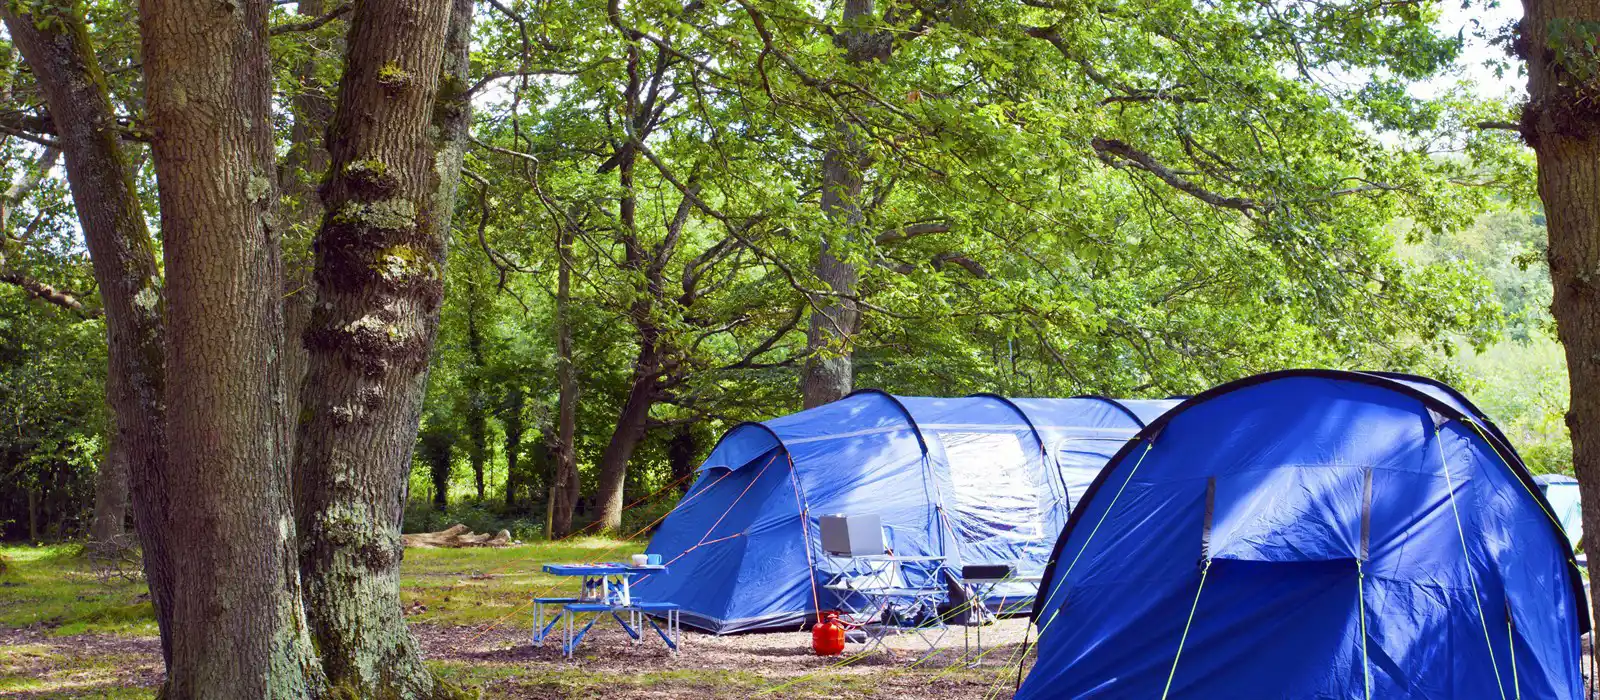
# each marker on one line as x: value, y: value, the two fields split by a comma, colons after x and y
x: 1291, y: 513
x: 996, y: 502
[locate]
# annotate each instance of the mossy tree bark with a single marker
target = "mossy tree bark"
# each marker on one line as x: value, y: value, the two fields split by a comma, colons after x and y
x: 1562, y: 125
x: 396, y: 144
x: 54, y: 40
x: 238, y: 627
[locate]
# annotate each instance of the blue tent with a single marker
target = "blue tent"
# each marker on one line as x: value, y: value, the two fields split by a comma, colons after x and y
x: 1312, y: 534
x: 1562, y: 493
x: 978, y: 480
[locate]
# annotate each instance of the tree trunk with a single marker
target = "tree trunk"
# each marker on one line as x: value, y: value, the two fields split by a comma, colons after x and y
x: 477, y: 417
x: 564, y: 482
x: 516, y: 401
x: 437, y: 445
x: 1562, y: 126
x: 303, y: 167
x: 209, y: 85
x: 33, y: 514
x: 380, y: 259
x: 829, y: 370
x: 110, y: 496
x: 682, y: 450
x: 63, y: 62
x: 631, y: 425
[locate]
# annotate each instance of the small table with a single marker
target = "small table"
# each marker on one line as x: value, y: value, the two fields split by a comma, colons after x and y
x: 605, y: 590
x: 606, y: 582
x: 980, y: 588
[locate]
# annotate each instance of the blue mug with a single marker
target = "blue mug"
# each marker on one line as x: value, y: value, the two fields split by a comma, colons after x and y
x: 655, y: 559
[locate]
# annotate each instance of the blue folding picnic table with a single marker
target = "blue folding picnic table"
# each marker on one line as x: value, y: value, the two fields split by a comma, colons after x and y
x: 605, y: 590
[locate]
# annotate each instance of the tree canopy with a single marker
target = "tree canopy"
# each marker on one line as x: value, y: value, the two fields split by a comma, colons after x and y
x: 1049, y: 198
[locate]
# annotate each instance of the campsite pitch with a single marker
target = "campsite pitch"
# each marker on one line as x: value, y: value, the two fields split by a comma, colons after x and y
x: 65, y: 633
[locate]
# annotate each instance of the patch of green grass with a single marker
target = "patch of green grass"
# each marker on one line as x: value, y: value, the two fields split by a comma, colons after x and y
x: 56, y: 588
x: 35, y: 669
x: 480, y: 585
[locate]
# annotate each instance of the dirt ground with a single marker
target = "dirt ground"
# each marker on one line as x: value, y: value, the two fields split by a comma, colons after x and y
x: 502, y: 661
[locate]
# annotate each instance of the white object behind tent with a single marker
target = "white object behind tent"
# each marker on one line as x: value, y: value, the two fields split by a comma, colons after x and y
x: 1562, y: 493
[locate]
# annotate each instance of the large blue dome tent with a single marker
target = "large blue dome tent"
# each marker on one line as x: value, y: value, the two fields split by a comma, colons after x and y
x: 978, y: 480
x: 1312, y: 534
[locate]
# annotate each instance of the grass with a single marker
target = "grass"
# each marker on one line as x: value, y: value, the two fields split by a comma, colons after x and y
x: 52, y: 592
x: 480, y: 586
x: 54, y: 587
x: 39, y: 672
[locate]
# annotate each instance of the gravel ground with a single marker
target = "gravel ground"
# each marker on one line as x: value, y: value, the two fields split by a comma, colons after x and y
x: 608, y: 665
x: 777, y: 664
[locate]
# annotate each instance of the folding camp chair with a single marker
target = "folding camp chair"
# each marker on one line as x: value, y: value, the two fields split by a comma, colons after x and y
x: 887, y: 594
x: 905, y: 599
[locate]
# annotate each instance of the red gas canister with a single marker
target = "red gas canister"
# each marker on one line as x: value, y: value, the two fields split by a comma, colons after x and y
x: 827, y: 636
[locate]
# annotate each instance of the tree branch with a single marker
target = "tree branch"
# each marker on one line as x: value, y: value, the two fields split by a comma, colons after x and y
x: 912, y: 230
x: 311, y: 24
x: 47, y: 293
x: 1118, y: 154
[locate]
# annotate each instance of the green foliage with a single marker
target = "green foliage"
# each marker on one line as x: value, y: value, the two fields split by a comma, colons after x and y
x: 1057, y: 198
x: 1521, y: 381
x: 52, y: 374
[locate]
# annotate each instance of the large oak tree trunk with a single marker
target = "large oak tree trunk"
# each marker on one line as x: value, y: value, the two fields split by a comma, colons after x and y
x: 238, y: 628
x: 829, y: 370
x: 631, y: 428
x: 1562, y: 126
x: 58, y: 50
x: 396, y: 144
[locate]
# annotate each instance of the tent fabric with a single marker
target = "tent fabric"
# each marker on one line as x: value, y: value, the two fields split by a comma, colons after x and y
x: 977, y: 480
x: 1562, y: 493
x: 1336, y: 535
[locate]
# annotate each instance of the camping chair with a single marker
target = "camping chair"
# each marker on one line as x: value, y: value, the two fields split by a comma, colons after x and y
x: 883, y: 594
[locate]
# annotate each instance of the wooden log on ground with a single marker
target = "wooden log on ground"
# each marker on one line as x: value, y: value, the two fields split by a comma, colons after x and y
x: 456, y: 536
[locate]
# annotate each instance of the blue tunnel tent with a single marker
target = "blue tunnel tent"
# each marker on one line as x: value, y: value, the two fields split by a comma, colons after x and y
x: 977, y: 480
x: 1312, y: 534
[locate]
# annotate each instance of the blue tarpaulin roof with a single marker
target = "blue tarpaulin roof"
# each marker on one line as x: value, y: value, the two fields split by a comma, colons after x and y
x: 979, y: 480
x: 1312, y: 534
